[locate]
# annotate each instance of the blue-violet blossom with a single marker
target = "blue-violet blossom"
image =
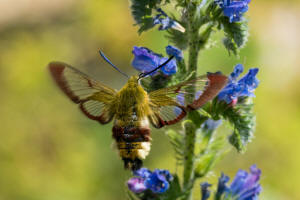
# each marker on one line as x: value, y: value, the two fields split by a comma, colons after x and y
x: 233, y: 9
x: 157, y: 181
x: 146, y: 60
x: 204, y: 190
x: 173, y: 51
x: 239, y: 88
x: 245, y: 186
x: 166, y: 22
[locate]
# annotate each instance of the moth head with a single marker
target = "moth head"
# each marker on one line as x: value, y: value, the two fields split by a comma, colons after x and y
x: 133, y: 80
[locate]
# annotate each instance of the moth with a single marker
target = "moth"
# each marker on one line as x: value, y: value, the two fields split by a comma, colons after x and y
x: 131, y: 108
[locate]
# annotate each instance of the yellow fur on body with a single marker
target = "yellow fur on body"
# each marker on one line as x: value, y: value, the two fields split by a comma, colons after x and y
x: 134, y: 150
x: 131, y: 104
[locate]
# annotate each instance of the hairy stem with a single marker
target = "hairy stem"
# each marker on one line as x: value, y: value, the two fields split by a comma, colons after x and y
x: 190, y: 128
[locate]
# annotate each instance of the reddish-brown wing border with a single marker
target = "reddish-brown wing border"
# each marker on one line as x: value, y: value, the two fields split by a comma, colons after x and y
x: 57, y: 72
x: 211, y: 84
x: 216, y: 83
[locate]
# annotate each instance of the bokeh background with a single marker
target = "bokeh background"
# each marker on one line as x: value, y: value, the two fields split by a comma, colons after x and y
x: 50, y: 151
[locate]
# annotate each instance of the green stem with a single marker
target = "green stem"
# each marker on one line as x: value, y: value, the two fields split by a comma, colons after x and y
x: 190, y: 137
x: 197, y: 41
x: 193, y: 39
x: 190, y: 128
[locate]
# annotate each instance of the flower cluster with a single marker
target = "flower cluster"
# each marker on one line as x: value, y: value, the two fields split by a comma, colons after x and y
x: 233, y: 9
x: 157, y: 181
x: 245, y: 186
x: 166, y: 22
x: 146, y: 60
x: 239, y: 88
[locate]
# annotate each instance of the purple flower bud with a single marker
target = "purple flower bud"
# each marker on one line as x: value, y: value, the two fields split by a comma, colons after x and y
x: 136, y: 185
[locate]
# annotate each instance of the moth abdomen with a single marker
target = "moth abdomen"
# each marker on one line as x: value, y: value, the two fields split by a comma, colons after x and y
x: 133, y: 144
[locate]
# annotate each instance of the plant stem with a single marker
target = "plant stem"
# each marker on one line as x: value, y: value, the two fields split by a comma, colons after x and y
x: 193, y: 30
x: 197, y: 41
x: 190, y: 128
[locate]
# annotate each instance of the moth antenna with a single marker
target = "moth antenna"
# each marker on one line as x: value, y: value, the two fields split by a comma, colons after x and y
x: 108, y: 61
x: 142, y: 75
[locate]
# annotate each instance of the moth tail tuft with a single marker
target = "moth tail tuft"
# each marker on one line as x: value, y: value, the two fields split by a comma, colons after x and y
x: 132, y: 165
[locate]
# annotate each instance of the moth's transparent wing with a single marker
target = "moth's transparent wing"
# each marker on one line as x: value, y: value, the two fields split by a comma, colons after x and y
x: 169, y: 105
x: 165, y: 111
x: 93, y: 97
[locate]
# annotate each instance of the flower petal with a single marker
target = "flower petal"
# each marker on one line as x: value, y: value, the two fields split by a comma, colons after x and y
x: 145, y: 60
x: 166, y: 22
x: 170, y: 68
x: 136, y: 185
x: 142, y: 172
x: 173, y: 51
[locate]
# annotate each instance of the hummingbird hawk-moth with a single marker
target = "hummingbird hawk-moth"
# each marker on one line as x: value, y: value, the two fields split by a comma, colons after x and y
x: 132, y: 108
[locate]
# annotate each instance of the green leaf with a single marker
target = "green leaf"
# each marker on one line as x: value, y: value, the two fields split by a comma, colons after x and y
x: 141, y: 11
x: 177, y: 141
x: 244, y: 125
x: 211, y: 151
x: 236, y: 34
x: 241, y: 117
x: 178, y: 38
x: 203, y: 113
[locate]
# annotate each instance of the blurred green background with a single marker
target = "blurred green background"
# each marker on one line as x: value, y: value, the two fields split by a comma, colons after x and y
x: 50, y: 151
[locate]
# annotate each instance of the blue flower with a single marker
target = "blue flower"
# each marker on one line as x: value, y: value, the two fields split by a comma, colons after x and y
x: 239, y: 88
x: 170, y: 68
x: 245, y: 186
x: 173, y: 51
x: 233, y: 9
x: 204, y: 190
x: 238, y: 69
x: 211, y: 124
x: 166, y: 22
x: 146, y: 60
x: 222, y: 185
x: 156, y: 181
x: 143, y: 173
